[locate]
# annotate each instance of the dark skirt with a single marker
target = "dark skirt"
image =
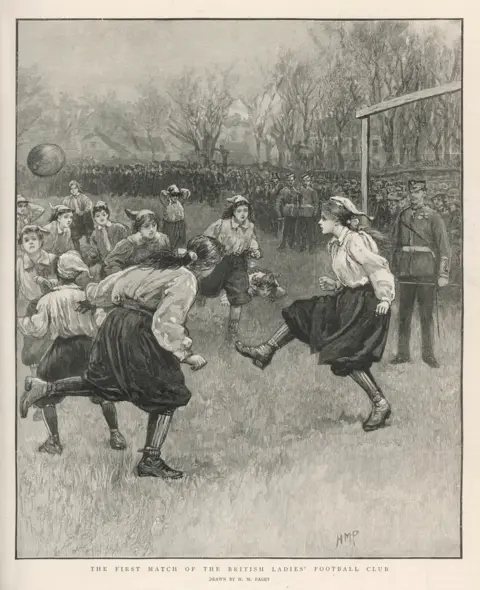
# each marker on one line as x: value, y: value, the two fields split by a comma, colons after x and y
x: 82, y: 225
x: 33, y: 349
x: 128, y: 364
x: 231, y: 276
x: 176, y: 232
x: 342, y: 328
x: 66, y: 357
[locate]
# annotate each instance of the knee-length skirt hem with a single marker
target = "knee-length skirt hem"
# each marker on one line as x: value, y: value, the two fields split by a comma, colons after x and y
x: 128, y: 364
x: 342, y: 328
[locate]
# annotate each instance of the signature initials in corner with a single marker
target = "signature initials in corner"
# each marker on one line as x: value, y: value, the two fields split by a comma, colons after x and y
x: 347, y: 539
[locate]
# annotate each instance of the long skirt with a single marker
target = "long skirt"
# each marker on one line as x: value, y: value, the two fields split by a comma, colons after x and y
x: 66, y: 357
x: 176, y: 232
x: 342, y: 328
x: 128, y: 364
x: 82, y: 225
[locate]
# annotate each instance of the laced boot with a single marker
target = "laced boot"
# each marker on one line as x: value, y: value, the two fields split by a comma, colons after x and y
x: 152, y: 464
x: 381, y: 409
x: 52, y: 446
x: 117, y: 440
x: 34, y: 390
x: 263, y: 354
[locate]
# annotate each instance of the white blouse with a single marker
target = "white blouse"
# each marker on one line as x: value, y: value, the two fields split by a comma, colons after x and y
x: 235, y: 238
x: 169, y: 294
x: 56, y: 316
x: 356, y: 262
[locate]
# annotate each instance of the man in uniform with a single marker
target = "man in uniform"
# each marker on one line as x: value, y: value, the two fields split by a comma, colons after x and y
x: 421, y: 261
x: 307, y: 215
x: 287, y: 210
x: 393, y: 205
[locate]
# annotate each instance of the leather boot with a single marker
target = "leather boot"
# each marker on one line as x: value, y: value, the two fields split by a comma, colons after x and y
x: 263, y: 354
x: 52, y: 446
x: 34, y: 390
x: 381, y: 409
x: 152, y: 464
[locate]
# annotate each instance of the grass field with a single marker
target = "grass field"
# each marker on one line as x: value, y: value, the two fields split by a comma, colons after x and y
x: 277, y: 463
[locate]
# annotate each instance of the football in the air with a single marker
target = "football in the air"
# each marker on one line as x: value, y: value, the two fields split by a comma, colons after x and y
x: 46, y: 159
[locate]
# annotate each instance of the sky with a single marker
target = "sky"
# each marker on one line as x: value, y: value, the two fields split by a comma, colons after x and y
x: 118, y: 55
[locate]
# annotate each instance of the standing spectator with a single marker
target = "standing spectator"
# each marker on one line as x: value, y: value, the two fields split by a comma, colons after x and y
x: 393, y: 208
x: 421, y: 255
x: 174, y: 226
x: 287, y: 211
x: 81, y: 205
x: 307, y: 215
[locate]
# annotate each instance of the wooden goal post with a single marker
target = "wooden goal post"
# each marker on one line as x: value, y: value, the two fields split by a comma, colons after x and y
x: 365, y: 113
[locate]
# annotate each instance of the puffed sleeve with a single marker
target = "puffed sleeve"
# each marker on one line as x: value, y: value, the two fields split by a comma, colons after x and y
x: 363, y: 249
x: 213, y: 230
x: 119, y: 257
x: 36, y: 325
x: 168, y: 325
x: 163, y: 240
x: 86, y: 203
x: 100, y: 294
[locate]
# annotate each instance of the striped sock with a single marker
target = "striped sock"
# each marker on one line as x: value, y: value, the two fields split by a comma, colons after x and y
x: 157, y: 430
x: 368, y: 384
x: 281, y: 337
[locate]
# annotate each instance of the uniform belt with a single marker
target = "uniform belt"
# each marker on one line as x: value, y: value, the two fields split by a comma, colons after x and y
x: 417, y: 249
x: 133, y: 305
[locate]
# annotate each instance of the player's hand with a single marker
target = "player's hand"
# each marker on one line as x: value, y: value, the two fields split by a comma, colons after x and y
x: 327, y: 284
x: 84, y: 306
x: 196, y: 362
x: 442, y: 282
x: 382, y: 308
x: 255, y: 254
x: 43, y: 282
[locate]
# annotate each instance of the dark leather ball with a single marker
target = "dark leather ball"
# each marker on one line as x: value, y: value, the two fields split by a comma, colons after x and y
x: 46, y: 159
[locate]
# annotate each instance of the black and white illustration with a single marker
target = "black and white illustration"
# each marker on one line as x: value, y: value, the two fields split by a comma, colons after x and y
x: 239, y: 288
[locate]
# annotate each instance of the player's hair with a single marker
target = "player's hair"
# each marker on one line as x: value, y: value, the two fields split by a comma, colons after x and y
x: 142, y: 218
x: 230, y: 210
x: 202, y: 253
x: 345, y: 217
x: 40, y: 235
x: 102, y: 207
x: 57, y: 212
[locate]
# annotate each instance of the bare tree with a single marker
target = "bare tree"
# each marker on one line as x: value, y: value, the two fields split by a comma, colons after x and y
x: 71, y: 117
x: 201, y: 103
x: 152, y: 111
x: 33, y: 101
x: 259, y: 101
x: 113, y: 117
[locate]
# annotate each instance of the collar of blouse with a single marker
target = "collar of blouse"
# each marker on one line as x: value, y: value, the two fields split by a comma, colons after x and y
x: 236, y: 225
